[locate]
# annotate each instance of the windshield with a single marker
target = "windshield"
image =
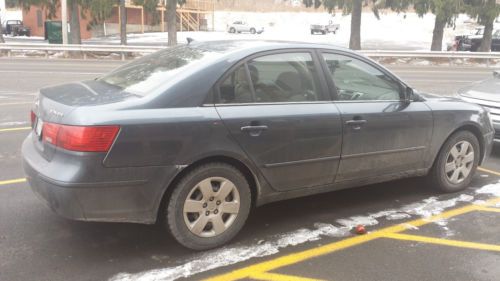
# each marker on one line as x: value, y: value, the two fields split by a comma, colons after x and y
x: 146, y: 74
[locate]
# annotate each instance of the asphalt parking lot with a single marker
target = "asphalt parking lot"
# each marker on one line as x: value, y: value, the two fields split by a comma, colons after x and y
x: 414, y: 233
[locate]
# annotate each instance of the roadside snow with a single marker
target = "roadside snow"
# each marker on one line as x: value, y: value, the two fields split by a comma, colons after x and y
x: 392, y: 32
x: 234, y: 254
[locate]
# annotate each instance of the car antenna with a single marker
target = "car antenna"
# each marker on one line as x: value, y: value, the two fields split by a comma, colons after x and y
x: 189, y: 39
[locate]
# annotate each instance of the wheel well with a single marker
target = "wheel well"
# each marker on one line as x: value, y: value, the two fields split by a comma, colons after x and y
x: 249, y: 176
x: 474, y: 130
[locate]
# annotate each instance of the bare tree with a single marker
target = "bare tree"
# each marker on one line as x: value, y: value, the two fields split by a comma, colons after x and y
x: 123, y: 23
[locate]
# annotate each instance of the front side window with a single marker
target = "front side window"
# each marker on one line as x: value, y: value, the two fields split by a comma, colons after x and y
x: 357, y: 80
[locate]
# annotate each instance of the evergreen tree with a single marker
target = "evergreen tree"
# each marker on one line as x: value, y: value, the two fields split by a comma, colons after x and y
x: 355, y: 8
x: 485, y: 11
x: 446, y: 12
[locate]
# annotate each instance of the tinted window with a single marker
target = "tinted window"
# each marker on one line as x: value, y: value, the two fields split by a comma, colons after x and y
x: 146, y: 74
x: 236, y: 87
x: 357, y: 80
x: 288, y: 77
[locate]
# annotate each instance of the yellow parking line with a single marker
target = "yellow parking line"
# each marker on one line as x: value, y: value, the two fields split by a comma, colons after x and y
x: 12, y: 181
x: 266, y: 276
x: 486, y: 209
x: 488, y: 171
x: 15, y: 129
x: 297, y: 257
x: 445, y: 242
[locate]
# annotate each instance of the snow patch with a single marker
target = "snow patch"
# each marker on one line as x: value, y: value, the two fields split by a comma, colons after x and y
x: 14, y: 123
x: 492, y: 189
x: 232, y: 255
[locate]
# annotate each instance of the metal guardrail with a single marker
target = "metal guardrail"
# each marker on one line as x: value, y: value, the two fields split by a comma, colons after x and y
x: 124, y: 50
x: 83, y: 49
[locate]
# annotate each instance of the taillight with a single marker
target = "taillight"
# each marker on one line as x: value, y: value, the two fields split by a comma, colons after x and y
x: 32, y: 118
x: 80, y: 138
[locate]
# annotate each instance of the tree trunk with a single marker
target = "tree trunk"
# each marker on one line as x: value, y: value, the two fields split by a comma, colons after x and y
x: 437, y: 34
x: 1, y: 31
x: 355, y: 41
x: 488, y: 34
x: 172, y: 22
x: 76, y: 37
x: 123, y: 23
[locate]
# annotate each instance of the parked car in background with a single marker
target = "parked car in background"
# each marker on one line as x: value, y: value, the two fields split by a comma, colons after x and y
x: 463, y: 42
x: 324, y: 28
x: 475, y: 42
x: 241, y: 26
x: 196, y: 135
x: 487, y: 94
x: 16, y: 28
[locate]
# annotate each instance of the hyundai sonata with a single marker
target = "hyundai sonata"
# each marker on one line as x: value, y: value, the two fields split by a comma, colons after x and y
x: 196, y: 135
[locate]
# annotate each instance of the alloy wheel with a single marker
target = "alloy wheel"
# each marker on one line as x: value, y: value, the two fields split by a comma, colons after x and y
x: 211, y: 207
x: 459, y: 162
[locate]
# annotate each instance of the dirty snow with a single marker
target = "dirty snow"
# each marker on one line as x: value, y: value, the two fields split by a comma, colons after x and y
x: 342, y: 228
x: 491, y: 189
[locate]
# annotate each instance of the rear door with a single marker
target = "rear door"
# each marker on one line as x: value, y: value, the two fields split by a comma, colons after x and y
x: 383, y: 134
x: 274, y: 106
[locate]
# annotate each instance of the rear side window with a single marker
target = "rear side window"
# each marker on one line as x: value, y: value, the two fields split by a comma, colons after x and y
x: 357, y: 80
x: 286, y: 77
x: 236, y: 88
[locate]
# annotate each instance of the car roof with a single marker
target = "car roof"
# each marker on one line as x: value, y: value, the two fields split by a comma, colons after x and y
x: 240, y: 48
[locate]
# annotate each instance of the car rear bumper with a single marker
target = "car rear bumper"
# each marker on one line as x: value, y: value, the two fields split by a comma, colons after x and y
x: 81, y: 188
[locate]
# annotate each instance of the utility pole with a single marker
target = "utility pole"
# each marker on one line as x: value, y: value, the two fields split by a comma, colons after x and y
x: 64, y: 19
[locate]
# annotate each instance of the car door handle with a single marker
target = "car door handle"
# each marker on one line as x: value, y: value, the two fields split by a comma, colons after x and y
x: 355, y: 122
x: 254, y: 128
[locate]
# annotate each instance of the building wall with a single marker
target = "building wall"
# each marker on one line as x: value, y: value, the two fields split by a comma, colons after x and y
x: 35, y: 17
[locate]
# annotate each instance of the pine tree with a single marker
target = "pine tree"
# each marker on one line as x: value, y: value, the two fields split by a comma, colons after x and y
x: 485, y: 11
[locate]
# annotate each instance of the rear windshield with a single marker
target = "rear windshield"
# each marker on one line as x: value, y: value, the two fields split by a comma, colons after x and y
x: 142, y: 76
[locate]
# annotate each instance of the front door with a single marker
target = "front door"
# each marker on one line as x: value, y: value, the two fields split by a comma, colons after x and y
x: 382, y: 134
x: 275, y: 108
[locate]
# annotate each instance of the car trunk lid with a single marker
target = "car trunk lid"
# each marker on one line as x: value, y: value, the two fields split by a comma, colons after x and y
x: 55, y: 104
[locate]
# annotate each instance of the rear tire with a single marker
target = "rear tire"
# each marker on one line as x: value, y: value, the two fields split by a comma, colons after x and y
x: 252, y: 30
x: 208, y: 206
x: 456, y: 163
x: 232, y: 30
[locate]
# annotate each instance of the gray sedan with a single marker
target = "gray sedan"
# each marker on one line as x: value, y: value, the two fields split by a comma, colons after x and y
x: 195, y: 136
x: 487, y: 94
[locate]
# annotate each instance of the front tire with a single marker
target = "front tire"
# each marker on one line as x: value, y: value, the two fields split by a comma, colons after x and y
x: 252, y: 30
x: 208, y: 206
x: 456, y: 162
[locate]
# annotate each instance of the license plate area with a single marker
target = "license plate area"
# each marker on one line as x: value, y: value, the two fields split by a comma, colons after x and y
x: 38, y: 127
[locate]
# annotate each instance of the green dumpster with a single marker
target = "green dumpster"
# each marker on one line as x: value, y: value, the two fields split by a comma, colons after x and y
x: 53, y: 32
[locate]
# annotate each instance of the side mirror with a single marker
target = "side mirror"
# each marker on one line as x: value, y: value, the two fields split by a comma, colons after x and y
x: 408, y: 94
